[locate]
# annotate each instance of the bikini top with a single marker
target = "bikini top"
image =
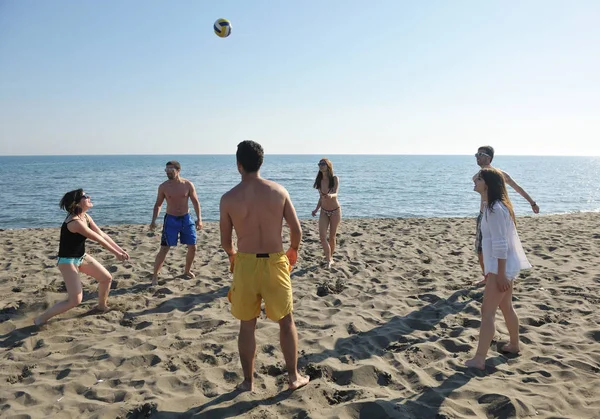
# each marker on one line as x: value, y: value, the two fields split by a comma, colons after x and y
x: 328, y: 192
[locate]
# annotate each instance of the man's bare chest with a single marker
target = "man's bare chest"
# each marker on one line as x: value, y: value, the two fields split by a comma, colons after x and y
x: 177, y: 192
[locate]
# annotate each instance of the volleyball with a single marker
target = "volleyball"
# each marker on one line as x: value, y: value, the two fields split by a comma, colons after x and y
x: 222, y: 28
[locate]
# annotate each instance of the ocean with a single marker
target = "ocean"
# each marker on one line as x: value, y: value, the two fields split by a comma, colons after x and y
x: 123, y: 188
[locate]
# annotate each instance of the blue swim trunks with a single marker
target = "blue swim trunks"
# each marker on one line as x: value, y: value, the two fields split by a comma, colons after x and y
x: 178, y: 226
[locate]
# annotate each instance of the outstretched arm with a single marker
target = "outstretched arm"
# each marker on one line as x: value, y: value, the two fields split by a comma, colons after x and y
x: 81, y: 227
x: 510, y: 181
x: 101, y: 233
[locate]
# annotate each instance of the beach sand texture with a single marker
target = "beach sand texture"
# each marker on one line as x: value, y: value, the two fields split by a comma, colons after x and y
x: 383, y: 333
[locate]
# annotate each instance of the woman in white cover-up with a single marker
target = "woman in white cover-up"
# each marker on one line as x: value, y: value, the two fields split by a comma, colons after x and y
x: 503, y: 259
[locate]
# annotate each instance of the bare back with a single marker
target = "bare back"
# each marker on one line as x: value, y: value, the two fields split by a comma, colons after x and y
x: 256, y: 208
x: 177, y: 193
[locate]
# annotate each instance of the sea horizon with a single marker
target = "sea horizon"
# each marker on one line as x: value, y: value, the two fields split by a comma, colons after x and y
x: 371, y: 185
x: 288, y: 154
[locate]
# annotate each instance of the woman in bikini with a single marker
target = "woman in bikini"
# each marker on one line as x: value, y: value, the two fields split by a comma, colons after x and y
x: 72, y: 259
x: 331, y: 214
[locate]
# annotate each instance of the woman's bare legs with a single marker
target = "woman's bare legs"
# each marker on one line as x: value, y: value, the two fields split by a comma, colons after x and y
x: 93, y: 268
x: 70, y: 275
x: 491, y: 299
x: 512, y: 322
x: 334, y: 222
x: 323, y: 225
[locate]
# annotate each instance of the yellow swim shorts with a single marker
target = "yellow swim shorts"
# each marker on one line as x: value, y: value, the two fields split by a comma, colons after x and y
x: 256, y: 277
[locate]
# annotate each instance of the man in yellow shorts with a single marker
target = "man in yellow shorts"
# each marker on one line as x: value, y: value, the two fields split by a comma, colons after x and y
x: 255, y: 208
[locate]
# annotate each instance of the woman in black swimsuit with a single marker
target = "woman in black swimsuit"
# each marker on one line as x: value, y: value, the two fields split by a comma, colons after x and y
x: 72, y: 259
x: 331, y: 213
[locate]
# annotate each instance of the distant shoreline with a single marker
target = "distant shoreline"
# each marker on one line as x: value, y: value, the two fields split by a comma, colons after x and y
x: 291, y: 154
x: 366, y: 219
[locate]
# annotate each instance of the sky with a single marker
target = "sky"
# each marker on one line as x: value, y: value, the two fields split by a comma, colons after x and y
x: 300, y: 77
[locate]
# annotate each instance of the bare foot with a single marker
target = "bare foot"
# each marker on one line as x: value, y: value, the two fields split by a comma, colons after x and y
x: 189, y: 275
x: 154, y: 280
x: 510, y: 348
x: 301, y: 381
x: 476, y: 363
x: 245, y: 386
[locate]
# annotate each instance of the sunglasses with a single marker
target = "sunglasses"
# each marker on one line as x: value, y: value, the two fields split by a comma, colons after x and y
x: 480, y: 154
x: 86, y: 197
x: 322, y: 163
x: 170, y: 169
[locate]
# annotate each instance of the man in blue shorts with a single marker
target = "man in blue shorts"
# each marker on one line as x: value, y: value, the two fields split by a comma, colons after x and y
x: 178, y: 224
x: 484, y: 156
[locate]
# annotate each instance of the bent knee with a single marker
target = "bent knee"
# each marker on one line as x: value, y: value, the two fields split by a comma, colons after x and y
x: 105, y: 278
x: 76, y: 299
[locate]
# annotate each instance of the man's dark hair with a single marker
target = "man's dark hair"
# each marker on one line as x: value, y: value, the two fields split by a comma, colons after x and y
x: 174, y: 163
x: 489, y: 150
x: 250, y: 156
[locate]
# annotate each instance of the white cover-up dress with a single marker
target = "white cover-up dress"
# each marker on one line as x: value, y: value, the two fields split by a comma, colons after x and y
x: 501, y: 241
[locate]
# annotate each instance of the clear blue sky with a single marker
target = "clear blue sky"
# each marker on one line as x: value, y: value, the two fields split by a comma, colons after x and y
x: 317, y: 77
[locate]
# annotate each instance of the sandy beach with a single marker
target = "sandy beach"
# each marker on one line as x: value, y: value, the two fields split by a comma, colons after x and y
x: 383, y: 333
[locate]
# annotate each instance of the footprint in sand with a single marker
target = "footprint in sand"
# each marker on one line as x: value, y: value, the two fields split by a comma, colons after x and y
x: 180, y: 344
x: 473, y: 323
x: 453, y: 347
x: 352, y: 329
x: 594, y: 335
x: 170, y: 366
x: 273, y: 370
x: 384, y: 378
x: 191, y: 365
x: 64, y: 373
x: 231, y: 377
x: 143, y: 325
x: 208, y: 359
x: 341, y: 396
x: 498, y: 406
x: 269, y: 349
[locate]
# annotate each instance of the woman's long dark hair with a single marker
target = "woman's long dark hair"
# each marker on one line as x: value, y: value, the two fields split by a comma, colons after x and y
x: 319, y: 178
x: 70, y: 202
x: 496, y: 190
